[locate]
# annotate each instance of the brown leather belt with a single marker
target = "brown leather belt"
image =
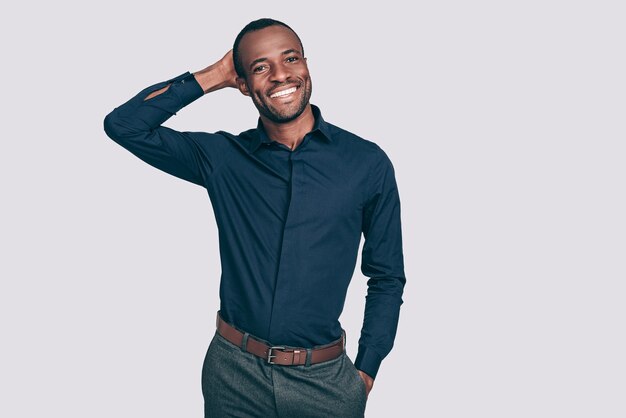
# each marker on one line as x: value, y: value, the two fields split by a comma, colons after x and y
x: 281, y: 355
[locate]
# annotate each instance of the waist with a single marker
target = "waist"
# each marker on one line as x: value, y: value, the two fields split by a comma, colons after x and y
x: 280, y: 354
x: 286, y: 326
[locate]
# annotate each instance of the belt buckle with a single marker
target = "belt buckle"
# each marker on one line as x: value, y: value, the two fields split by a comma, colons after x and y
x: 269, y: 353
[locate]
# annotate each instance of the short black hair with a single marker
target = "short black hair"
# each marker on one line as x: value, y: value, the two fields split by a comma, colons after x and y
x: 251, y: 27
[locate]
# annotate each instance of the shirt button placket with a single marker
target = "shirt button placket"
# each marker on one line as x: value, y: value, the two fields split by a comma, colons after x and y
x: 285, y: 299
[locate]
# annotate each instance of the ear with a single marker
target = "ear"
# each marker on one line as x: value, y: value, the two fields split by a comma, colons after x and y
x: 242, y: 85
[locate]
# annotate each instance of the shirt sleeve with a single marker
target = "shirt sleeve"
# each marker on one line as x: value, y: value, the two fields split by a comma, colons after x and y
x: 382, y: 261
x: 136, y: 126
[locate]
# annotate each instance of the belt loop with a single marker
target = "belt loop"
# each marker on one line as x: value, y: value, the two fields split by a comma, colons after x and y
x: 343, y: 335
x: 244, y: 342
x: 217, y: 320
x: 308, y: 357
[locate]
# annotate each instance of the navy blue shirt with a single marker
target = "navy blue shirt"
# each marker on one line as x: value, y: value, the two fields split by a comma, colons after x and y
x: 289, y: 221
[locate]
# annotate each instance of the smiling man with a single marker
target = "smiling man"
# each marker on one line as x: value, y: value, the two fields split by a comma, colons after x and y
x: 291, y: 199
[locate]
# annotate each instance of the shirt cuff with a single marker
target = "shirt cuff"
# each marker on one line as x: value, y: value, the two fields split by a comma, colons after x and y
x: 187, y: 87
x: 368, y: 360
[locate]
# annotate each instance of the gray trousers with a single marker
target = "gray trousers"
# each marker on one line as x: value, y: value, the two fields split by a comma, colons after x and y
x: 236, y: 383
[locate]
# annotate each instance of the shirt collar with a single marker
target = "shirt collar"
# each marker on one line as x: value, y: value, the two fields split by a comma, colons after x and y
x: 320, y: 125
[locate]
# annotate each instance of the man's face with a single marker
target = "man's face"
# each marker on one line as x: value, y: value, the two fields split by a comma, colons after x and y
x: 273, y: 63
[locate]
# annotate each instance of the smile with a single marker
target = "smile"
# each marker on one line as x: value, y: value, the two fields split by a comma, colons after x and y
x: 284, y: 93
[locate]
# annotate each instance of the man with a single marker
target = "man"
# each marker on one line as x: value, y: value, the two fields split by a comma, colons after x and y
x: 291, y: 199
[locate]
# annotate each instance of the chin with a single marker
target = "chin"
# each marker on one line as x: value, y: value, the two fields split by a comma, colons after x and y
x: 283, y: 117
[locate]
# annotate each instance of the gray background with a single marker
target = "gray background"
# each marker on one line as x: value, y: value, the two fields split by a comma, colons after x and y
x: 504, y: 121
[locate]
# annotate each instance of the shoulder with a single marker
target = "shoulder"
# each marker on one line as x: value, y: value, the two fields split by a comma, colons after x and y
x: 223, y: 140
x: 366, y: 149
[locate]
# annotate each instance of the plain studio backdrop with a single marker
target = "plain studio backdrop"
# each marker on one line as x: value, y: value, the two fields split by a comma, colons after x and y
x: 504, y: 122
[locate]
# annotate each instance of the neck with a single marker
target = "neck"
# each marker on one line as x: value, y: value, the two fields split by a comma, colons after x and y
x: 290, y: 133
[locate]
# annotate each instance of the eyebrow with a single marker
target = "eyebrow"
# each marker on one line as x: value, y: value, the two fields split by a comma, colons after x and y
x: 286, y: 52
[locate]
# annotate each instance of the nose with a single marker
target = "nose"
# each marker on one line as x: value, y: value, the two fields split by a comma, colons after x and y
x: 279, y: 73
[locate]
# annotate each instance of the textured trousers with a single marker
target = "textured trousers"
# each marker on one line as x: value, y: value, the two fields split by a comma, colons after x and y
x: 236, y: 383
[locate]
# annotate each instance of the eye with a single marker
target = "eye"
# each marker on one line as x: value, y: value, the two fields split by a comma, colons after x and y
x: 258, y: 69
x: 292, y: 58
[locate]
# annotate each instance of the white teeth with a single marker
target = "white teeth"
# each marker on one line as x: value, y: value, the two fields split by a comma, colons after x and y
x: 284, y: 92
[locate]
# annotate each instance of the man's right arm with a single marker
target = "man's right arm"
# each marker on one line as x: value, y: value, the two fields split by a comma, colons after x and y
x: 136, y: 124
x: 214, y: 77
